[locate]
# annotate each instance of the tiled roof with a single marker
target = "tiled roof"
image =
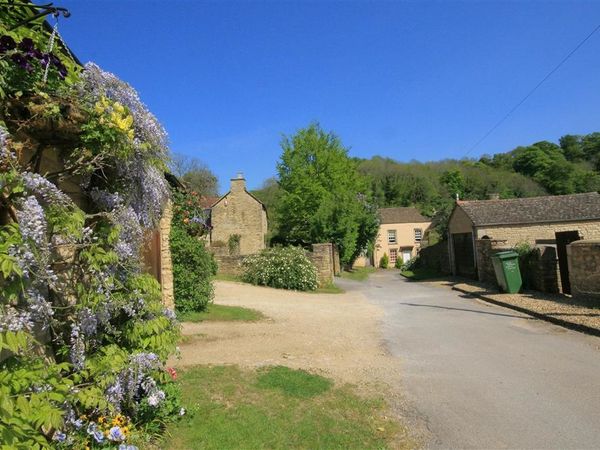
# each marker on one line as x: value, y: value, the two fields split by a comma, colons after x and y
x: 401, y: 215
x: 207, y: 202
x: 557, y: 208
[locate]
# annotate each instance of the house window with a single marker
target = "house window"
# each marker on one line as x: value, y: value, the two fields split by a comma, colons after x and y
x: 391, y: 236
x: 418, y: 234
x: 393, y: 255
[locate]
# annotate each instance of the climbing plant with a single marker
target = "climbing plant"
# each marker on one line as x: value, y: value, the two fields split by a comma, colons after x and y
x: 84, y: 336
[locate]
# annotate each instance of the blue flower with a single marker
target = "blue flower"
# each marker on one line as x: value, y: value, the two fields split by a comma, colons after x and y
x: 59, y: 436
x: 115, y: 434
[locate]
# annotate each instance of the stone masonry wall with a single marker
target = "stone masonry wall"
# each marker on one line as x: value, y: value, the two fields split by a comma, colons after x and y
x: 229, y: 264
x: 166, y: 264
x: 323, y: 259
x: 516, y: 234
x: 584, y: 268
x: 239, y: 213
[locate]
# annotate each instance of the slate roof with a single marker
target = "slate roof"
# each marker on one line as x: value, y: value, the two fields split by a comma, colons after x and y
x: 557, y: 208
x: 401, y: 215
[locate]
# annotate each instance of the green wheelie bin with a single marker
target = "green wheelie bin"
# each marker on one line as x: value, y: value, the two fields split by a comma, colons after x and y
x: 508, y: 275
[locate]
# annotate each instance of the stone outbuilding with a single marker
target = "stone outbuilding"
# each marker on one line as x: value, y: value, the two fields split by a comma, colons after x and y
x: 238, y: 221
x: 401, y: 231
x: 548, y: 223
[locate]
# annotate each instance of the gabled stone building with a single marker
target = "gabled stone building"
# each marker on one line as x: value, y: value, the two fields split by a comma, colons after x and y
x: 548, y: 223
x: 238, y: 219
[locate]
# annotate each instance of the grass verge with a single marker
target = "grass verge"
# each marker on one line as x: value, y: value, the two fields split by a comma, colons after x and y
x: 222, y: 313
x: 358, y: 273
x: 421, y: 273
x: 227, y: 277
x: 276, y: 408
x: 329, y: 289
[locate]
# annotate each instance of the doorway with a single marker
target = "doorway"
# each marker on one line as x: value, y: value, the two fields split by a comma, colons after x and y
x: 564, y: 238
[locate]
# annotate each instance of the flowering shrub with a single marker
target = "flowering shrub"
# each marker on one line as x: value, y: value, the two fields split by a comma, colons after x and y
x: 83, y: 333
x: 281, y: 267
x: 193, y: 265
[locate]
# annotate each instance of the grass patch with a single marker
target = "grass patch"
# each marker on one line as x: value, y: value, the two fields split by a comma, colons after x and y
x: 222, y: 313
x: 295, y: 383
x: 227, y: 277
x: 420, y: 273
x: 328, y: 289
x: 358, y: 273
x: 230, y: 408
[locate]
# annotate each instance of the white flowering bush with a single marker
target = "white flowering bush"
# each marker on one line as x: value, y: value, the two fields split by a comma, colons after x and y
x: 281, y: 267
x: 84, y: 337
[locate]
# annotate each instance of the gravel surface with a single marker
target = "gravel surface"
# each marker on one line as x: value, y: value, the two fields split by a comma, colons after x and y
x: 578, y: 311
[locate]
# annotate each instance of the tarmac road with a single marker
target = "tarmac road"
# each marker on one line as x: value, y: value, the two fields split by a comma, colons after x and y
x: 483, y: 376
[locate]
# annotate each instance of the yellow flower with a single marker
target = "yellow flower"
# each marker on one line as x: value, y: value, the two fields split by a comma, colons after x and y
x: 101, y: 419
x: 118, y: 107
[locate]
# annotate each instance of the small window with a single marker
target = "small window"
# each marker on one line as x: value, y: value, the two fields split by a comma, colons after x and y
x: 418, y: 234
x: 391, y: 236
x: 393, y: 255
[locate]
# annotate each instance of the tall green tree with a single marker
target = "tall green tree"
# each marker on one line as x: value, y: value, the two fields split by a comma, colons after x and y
x: 323, y: 196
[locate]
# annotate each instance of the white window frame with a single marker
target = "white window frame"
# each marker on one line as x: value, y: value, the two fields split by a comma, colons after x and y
x: 390, y: 239
x: 419, y: 232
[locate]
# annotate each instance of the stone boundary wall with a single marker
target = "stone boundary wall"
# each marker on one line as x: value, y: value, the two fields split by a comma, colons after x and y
x: 229, y: 264
x: 540, y: 272
x: 436, y: 257
x: 486, y: 248
x: 323, y: 257
x: 584, y: 268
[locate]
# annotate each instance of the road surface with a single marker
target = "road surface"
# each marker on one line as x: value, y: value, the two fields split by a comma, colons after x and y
x: 483, y: 376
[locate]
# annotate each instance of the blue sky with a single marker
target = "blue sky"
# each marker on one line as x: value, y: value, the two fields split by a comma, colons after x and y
x: 407, y: 80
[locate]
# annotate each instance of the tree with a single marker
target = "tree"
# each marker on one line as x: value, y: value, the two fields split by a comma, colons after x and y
x: 323, y: 196
x: 195, y: 175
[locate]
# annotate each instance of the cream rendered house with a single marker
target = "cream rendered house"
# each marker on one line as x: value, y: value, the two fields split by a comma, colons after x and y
x: 401, y: 231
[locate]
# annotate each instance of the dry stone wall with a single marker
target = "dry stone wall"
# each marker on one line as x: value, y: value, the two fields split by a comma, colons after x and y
x: 584, y: 267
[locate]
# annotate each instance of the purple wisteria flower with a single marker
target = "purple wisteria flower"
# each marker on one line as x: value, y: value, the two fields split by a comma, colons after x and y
x: 40, y: 309
x: 98, y: 83
x: 77, y: 350
x: 13, y: 320
x: 87, y: 321
x: 42, y: 187
x: 32, y: 221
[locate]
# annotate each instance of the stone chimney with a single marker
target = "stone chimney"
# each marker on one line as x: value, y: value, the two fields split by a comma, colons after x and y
x: 238, y: 184
x: 493, y: 196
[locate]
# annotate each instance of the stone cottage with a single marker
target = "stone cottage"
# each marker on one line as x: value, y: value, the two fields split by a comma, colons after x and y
x: 548, y: 223
x: 401, y: 231
x: 238, y: 220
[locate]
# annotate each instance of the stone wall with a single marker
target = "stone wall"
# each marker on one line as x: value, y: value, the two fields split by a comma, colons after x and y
x: 238, y: 212
x: 436, y: 257
x: 584, y: 267
x: 166, y: 264
x: 543, y: 272
x: 322, y: 256
x: 539, y: 270
x: 229, y: 264
x: 486, y: 249
x: 533, y: 233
